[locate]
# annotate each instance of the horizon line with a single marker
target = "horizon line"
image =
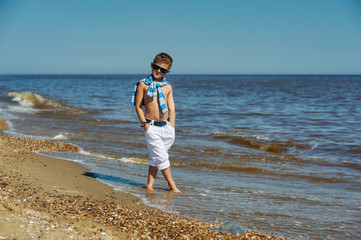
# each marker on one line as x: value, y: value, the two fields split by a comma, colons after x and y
x: 185, y: 74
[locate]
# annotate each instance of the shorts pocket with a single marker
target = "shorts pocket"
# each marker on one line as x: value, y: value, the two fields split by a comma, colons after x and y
x: 149, y: 128
x: 171, y: 131
x: 170, y: 126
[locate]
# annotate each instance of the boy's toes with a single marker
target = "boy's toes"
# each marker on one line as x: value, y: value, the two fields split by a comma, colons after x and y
x: 176, y: 190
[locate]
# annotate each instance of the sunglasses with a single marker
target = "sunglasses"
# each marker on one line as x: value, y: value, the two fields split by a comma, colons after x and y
x: 162, y: 70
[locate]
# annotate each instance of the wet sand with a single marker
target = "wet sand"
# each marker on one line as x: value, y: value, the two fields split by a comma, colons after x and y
x: 48, y: 198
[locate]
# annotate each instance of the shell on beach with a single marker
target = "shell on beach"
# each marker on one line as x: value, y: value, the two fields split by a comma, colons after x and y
x: 231, y: 227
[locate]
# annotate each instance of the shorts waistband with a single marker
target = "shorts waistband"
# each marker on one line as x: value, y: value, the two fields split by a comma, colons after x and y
x: 157, y: 123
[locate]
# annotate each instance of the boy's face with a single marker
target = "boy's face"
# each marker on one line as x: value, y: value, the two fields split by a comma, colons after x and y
x: 159, y: 70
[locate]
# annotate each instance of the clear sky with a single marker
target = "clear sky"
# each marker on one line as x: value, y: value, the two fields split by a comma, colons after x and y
x: 202, y: 36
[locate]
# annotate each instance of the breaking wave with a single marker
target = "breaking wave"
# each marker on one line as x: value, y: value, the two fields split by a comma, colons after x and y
x: 38, y: 101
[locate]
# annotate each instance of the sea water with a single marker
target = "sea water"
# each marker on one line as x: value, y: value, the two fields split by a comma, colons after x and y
x: 278, y: 154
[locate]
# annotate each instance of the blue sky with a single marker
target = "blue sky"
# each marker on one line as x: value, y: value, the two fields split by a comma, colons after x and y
x: 202, y: 36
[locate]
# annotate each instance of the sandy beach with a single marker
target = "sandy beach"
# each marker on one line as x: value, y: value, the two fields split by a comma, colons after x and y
x: 48, y: 198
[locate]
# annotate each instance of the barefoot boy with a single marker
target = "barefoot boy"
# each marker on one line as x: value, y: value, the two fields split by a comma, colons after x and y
x: 158, y: 119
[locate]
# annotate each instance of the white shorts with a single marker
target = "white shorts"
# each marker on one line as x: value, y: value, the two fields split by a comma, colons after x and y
x: 159, y: 140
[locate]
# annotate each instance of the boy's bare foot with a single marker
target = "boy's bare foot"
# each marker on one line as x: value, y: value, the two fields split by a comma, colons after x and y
x: 175, y: 190
x: 168, y: 176
x: 150, y: 188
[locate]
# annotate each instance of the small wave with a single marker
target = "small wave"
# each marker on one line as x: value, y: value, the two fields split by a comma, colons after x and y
x: 123, y: 159
x: 239, y: 140
x: 263, y: 143
x: 134, y: 160
x: 96, y: 155
x: 60, y: 136
x: 187, y: 131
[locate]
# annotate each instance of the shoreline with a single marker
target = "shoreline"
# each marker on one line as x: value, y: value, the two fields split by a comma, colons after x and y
x: 51, y: 198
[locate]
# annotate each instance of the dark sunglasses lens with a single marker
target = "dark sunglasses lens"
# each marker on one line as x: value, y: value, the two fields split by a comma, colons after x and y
x: 155, y: 67
x: 163, y: 70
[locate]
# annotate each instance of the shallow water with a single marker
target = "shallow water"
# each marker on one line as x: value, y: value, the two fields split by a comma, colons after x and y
x: 278, y: 154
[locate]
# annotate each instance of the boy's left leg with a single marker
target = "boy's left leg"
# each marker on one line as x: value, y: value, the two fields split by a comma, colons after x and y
x: 168, y: 140
x: 168, y: 177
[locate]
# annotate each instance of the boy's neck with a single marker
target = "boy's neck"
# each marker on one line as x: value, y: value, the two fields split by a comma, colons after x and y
x: 158, y: 79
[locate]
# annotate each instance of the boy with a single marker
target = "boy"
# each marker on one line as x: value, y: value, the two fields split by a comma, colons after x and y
x: 158, y: 119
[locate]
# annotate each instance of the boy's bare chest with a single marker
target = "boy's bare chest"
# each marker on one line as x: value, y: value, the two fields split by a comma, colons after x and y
x: 165, y: 90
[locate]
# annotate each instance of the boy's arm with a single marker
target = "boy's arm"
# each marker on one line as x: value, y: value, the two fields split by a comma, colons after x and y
x: 171, y: 107
x: 139, y: 98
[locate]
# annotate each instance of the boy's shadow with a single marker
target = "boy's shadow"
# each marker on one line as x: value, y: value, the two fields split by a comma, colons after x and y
x: 119, y: 180
x: 114, y: 179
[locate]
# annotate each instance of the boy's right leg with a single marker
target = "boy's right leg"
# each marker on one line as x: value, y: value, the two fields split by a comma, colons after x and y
x: 152, y: 174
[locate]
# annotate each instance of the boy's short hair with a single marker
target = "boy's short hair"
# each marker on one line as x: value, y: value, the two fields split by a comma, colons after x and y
x: 163, y: 58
